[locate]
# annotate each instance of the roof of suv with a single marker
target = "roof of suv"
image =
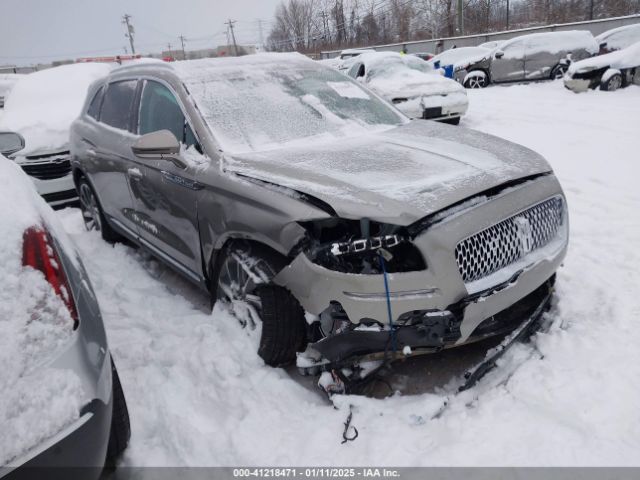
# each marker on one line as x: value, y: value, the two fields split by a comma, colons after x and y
x: 190, y: 67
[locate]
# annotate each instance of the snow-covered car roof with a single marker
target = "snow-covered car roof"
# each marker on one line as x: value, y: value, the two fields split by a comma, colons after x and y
x: 390, y: 74
x: 352, y: 52
x: 43, y: 104
x: 626, y: 58
x: 37, y: 401
x: 492, y: 44
x: 555, y: 42
x: 463, y: 54
x: 621, y: 37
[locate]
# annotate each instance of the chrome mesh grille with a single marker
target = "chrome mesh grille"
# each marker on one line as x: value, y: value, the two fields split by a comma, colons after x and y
x: 506, y: 242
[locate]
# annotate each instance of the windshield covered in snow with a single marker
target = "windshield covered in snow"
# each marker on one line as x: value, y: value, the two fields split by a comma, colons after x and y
x: 267, y: 101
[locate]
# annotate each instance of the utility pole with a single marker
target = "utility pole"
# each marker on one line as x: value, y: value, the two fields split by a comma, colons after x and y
x: 233, y: 35
x: 184, y: 54
x: 170, y: 54
x: 460, y: 17
x: 130, y: 31
x: 260, y: 32
x: 507, y: 14
x: 591, y: 10
x: 324, y: 25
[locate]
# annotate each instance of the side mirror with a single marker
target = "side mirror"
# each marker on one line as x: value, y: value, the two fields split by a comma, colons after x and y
x: 10, y: 143
x: 499, y: 54
x: 160, y: 145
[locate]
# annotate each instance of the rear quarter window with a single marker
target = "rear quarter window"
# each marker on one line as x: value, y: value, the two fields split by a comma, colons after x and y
x: 94, y: 107
x: 117, y: 106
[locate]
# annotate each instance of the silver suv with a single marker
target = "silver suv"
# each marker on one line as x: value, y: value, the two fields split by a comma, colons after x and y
x: 537, y: 56
x: 316, y: 210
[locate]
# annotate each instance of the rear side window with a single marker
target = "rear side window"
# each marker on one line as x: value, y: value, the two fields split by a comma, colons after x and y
x: 117, y: 107
x: 94, y: 107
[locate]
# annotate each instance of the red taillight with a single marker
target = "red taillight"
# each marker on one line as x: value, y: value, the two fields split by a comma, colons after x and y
x: 39, y: 252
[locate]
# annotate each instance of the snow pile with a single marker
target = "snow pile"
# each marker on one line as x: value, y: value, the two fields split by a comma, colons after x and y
x: 249, y: 102
x: 621, y: 37
x: 42, y: 105
x: 36, y: 401
x: 199, y: 395
x: 626, y: 58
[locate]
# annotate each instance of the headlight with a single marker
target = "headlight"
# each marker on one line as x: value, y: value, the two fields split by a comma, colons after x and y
x: 353, y: 246
x: 589, y: 68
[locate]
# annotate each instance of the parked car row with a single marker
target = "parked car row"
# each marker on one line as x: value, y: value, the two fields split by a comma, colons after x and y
x: 536, y: 56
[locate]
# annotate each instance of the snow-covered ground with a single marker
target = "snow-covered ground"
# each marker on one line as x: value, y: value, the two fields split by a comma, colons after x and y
x: 199, y: 395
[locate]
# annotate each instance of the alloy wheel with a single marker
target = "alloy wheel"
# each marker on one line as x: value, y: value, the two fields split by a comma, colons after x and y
x: 615, y: 83
x: 476, y: 82
x: 560, y: 72
x: 90, y: 209
x: 236, y: 288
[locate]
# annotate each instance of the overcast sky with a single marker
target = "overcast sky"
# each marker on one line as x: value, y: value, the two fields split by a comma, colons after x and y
x: 33, y: 31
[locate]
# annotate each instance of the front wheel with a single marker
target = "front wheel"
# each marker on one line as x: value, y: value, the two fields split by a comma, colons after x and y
x: 558, y: 71
x: 476, y: 79
x: 611, y: 84
x: 245, y: 285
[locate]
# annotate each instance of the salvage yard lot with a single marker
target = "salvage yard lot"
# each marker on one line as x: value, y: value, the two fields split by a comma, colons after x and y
x: 199, y: 395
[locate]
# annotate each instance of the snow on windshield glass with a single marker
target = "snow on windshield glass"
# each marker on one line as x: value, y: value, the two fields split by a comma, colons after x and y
x: 265, y: 101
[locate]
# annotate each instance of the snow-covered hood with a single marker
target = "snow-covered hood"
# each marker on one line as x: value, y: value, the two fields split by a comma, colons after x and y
x: 398, y: 176
x: 627, y: 58
x: 408, y: 83
x: 42, y: 105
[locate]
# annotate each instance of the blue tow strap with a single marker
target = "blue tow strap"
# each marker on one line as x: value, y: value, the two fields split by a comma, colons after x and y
x: 386, y: 289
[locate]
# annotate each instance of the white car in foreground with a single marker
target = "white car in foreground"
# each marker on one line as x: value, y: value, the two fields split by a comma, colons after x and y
x: 41, y: 107
x: 412, y: 85
x: 609, y: 72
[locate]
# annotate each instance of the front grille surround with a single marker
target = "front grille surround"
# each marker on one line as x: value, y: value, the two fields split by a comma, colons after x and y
x: 510, y: 240
x: 47, y: 167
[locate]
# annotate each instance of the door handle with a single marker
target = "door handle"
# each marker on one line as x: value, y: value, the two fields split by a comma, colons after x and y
x: 135, y: 173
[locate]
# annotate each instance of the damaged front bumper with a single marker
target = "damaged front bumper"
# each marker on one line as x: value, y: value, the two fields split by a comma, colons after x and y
x: 434, y: 308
